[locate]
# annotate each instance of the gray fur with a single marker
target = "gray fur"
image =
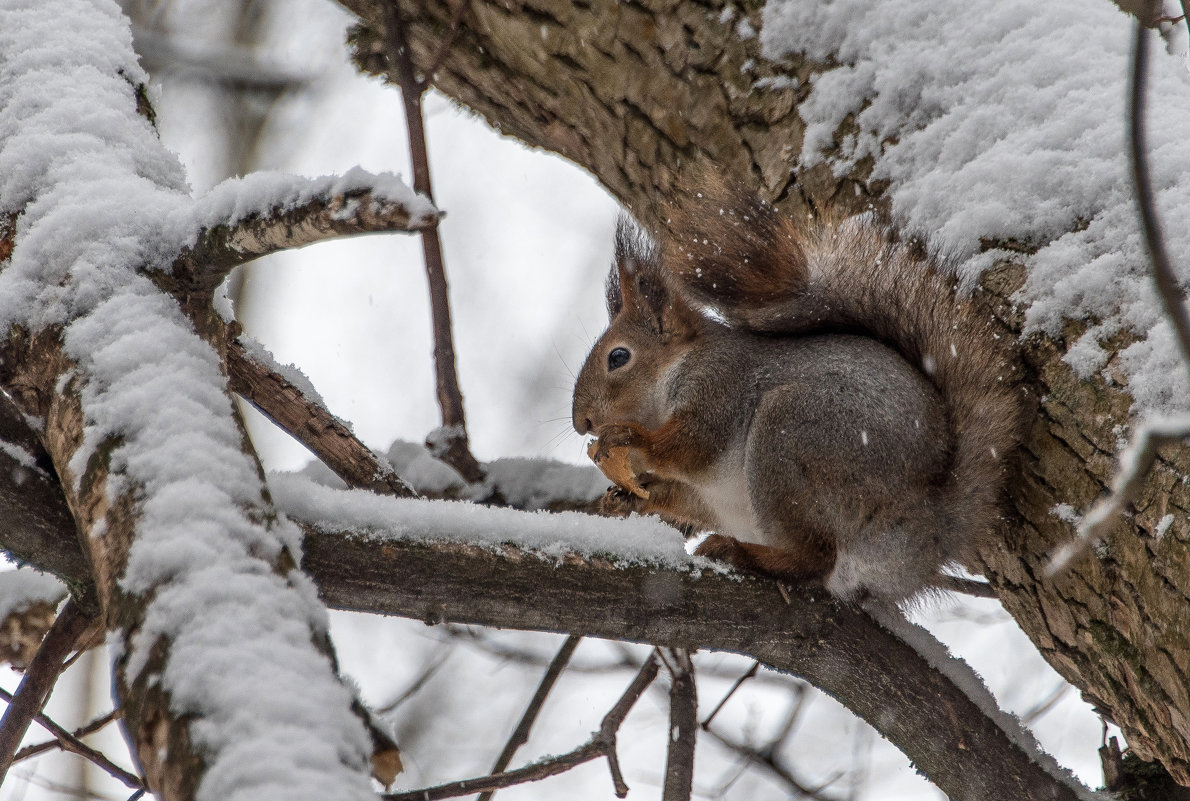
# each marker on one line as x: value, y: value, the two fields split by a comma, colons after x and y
x: 863, y: 404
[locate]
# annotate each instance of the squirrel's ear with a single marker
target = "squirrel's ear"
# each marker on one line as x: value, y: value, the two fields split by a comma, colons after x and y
x: 635, y: 252
x: 637, y: 282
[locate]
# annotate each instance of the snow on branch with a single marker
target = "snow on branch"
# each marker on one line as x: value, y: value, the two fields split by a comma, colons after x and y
x: 243, y: 219
x: 839, y: 648
x: 223, y: 643
x: 28, y: 601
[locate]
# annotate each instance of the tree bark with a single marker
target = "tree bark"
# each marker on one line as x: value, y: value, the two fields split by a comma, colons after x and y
x: 631, y: 91
x: 170, y: 482
x: 916, y: 704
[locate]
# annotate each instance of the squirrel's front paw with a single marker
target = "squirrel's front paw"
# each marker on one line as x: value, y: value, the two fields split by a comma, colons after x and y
x: 619, y: 502
x: 618, y: 460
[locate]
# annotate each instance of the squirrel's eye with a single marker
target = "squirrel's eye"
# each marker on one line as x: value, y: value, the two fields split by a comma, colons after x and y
x: 618, y: 358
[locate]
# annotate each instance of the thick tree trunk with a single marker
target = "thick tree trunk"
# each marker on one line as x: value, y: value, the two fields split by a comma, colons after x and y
x: 632, y: 91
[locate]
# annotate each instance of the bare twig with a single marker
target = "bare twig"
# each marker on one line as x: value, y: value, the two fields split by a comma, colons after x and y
x: 1038, y: 710
x: 770, y: 762
x: 416, y: 685
x: 601, y: 744
x: 39, y: 680
x: 312, y: 425
x: 63, y: 789
x: 233, y: 65
x: 520, y: 734
x: 752, y: 671
x: 31, y: 751
x: 72, y: 744
x: 683, y: 728
x: 1138, y: 460
x: 1173, y: 297
x: 449, y: 443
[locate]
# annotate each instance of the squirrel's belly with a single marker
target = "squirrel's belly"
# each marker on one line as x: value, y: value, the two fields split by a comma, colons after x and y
x: 725, y: 492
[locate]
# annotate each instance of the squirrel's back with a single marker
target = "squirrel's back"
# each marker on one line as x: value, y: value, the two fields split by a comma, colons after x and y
x: 761, y: 271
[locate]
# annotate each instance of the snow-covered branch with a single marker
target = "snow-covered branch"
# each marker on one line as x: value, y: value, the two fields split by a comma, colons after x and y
x: 913, y: 701
x: 245, y: 218
x: 223, y: 643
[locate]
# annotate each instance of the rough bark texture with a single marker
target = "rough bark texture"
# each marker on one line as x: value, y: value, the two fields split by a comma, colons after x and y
x: 631, y: 91
x: 834, y: 646
x: 34, y: 518
x: 104, y: 498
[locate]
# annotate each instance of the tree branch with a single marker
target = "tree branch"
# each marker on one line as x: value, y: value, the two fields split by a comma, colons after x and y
x: 316, y: 211
x: 836, y: 647
x: 601, y: 744
x: 1173, y: 296
x: 520, y: 735
x: 449, y: 443
x: 683, y: 728
x: 39, y: 680
x: 71, y: 743
x: 311, y: 424
x: 30, y: 751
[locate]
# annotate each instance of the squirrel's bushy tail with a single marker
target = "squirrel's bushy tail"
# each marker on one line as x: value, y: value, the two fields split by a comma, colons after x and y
x: 761, y: 271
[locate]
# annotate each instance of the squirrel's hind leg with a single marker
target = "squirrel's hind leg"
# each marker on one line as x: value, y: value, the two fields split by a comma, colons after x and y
x: 851, y: 480
x: 811, y: 562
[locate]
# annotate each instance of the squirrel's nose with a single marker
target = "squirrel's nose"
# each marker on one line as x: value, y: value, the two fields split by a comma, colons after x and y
x: 585, y: 426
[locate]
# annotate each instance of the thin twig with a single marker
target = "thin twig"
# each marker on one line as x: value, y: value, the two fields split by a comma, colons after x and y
x: 1135, y: 464
x: 72, y: 744
x: 520, y: 734
x: 752, y: 671
x: 30, y: 751
x: 791, y: 719
x: 1038, y: 710
x: 601, y: 744
x: 1141, y: 455
x: 416, y: 685
x: 1173, y: 297
x: 782, y: 772
x: 683, y: 729
x: 75, y: 793
x: 450, y: 443
x: 39, y: 680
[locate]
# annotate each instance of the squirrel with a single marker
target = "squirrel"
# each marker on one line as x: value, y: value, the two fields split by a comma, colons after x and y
x: 816, y: 394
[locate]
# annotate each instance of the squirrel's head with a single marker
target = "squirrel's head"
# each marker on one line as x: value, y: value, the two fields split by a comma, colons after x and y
x: 651, y: 327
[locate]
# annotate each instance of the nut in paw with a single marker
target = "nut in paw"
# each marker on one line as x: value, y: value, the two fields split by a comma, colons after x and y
x: 614, y: 462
